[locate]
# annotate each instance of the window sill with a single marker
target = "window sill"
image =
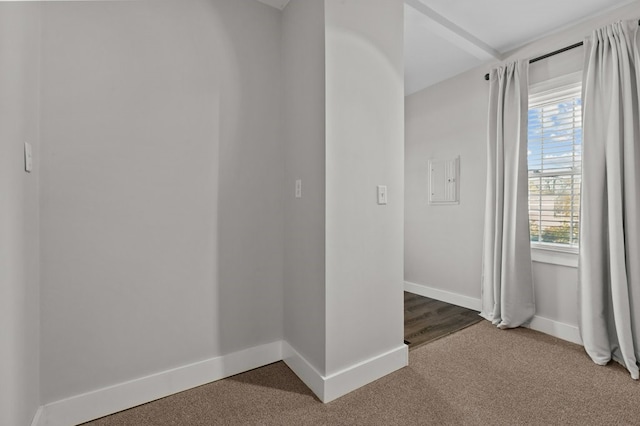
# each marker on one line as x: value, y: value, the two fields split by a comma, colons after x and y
x: 555, y: 255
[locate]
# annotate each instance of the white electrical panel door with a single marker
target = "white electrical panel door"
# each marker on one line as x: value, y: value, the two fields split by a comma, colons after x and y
x: 444, y: 181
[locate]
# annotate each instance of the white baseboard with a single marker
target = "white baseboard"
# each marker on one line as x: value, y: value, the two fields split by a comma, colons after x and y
x: 557, y: 329
x: 105, y: 401
x: 548, y: 326
x: 328, y: 388
x: 444, y: 296
x: 109, y: 400
x: 306, y: 372
x: 358, y: 375
x: 102, y: 402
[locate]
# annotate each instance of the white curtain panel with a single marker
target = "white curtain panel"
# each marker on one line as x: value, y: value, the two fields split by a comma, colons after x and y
x: 507, y: 282
x: 609, y: 266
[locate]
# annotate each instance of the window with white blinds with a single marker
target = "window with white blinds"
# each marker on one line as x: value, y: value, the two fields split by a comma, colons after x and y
x: 554, y: 162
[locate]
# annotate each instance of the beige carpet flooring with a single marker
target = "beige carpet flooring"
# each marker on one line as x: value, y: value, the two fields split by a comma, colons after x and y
x: 477, y: 376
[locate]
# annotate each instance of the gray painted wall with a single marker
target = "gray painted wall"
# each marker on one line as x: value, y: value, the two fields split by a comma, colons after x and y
x: 19, y: 292
x: 303, y: 71
x: 161, y: 195
x: 364, y: 148
x: 343, y: 125
x: 443, y: 244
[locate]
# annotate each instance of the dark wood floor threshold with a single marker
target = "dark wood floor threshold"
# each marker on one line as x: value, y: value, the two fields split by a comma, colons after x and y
x: 426, y: 320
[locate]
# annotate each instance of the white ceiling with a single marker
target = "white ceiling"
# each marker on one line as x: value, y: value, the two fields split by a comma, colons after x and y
x: 444, y: 38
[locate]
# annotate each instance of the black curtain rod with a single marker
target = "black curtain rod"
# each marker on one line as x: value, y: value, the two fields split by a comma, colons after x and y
x: 555, y: 52
x: 545, y: 56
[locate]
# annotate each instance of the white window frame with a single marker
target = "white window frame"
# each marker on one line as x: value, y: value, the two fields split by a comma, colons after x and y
x: 556, y: 254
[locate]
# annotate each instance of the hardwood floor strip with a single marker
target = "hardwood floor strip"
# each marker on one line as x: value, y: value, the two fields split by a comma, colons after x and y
x: 426, y: 320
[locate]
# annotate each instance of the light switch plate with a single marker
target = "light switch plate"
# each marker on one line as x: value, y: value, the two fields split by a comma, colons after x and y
x: 28, y: 157
x: 298, y: 188
x: 382, y: 194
